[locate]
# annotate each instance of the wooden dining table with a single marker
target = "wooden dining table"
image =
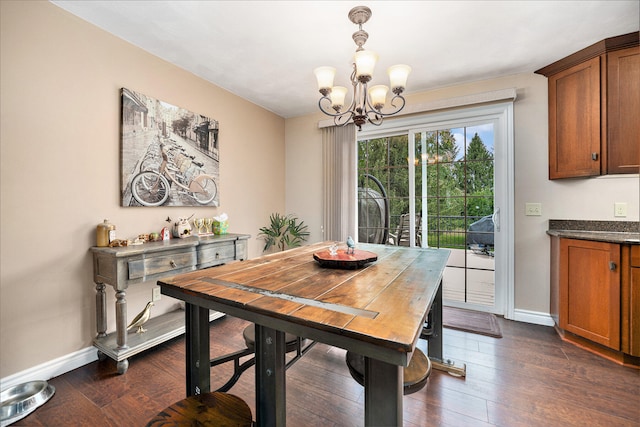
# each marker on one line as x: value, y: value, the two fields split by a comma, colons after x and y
x: 376, y: 309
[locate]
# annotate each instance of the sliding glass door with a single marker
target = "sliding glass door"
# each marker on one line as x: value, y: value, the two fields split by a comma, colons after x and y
x: 435, y: 186
x: 454, y: 176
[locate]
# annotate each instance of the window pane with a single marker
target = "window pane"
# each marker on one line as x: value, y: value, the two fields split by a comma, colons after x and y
x: 453, y: 183
x: 448, y: 149
x: 398, y: 150
x: 479, y: 167
x: 447, y: 182
x: 477, y: 207
x: 399, y: 182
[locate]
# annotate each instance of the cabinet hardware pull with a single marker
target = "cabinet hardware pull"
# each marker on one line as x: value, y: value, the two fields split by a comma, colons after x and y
x: 612, y: 266
x: 173, y: 264
x: 594, y: 156
x: 217, y: 255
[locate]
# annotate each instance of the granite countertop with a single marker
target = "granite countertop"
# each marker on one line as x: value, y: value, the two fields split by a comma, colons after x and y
x: 625, y: 232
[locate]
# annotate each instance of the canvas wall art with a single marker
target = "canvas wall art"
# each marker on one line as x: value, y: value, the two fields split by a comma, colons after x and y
x: 169, y: 156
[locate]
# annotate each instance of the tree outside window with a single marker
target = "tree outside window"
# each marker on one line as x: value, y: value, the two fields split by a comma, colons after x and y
x: 459, y: 184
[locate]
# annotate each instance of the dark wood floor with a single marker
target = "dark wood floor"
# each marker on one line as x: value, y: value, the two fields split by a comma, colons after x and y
x: 527, y: 378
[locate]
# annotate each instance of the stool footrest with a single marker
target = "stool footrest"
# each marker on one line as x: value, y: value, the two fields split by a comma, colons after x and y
x: 293, y: 344
x: 449, y: 366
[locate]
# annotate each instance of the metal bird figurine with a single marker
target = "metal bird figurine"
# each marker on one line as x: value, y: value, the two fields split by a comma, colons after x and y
x: 141, y: 319
x: 351, y: 245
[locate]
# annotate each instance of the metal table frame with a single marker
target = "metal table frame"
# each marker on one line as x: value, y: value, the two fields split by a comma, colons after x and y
x: 383, y: 373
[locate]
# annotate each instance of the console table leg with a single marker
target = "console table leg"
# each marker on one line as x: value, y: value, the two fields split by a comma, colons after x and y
x: 101, y: 310
x: 122, y: 366
x: 121, y: 319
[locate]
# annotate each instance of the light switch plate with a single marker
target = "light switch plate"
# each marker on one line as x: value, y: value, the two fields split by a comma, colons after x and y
x: 533, y: 209
x: 620, y: 209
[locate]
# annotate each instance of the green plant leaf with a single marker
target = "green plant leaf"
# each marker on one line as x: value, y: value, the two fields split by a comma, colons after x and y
x: 284, y: 231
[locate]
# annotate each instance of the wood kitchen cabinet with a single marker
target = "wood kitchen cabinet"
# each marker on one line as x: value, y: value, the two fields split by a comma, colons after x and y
x: 623, y: 107
x: 630, y: 339
x: 594, y: 104
x: 595, y: 296
x: 590, y: 290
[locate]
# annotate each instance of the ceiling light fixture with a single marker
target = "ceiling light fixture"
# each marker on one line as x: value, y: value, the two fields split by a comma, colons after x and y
x: 367, y: 103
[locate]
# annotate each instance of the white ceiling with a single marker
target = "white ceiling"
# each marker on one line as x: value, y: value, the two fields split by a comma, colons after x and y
x: 265, y: 51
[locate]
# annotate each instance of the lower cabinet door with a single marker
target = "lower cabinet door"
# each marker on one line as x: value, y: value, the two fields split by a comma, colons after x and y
x: 590, y: 290
x: 632, y: 327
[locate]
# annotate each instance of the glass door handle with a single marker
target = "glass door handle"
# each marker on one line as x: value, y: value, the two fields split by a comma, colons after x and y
x: 496, y: 219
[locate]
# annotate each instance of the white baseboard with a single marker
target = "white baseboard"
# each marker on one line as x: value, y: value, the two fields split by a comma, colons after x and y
x: 63, y: 364
x: 52, y: 368
x: 535, y: 317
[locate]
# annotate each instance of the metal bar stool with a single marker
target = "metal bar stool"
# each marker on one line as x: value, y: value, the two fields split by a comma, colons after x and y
x: 208, y: 409
x: 416, y: 375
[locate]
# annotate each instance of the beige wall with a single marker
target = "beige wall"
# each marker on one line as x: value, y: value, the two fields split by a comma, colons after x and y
x: 60, y: 106
x: 565, y: 199
x: 60, y: 82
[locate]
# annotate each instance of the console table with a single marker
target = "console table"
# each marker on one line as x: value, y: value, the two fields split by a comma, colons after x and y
x: 123, y: 266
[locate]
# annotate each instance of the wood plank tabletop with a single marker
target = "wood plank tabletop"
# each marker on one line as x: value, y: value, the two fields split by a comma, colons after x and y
x: 381, y: 305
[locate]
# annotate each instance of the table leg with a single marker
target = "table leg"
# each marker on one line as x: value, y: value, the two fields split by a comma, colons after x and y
x: 435, y: 340
x: 382, y: 393
x: 197, y: 349
x: 271, y: 407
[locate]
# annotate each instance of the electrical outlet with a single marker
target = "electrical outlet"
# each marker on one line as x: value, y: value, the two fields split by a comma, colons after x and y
x: 533, y: 209
x: 155, y: 294
x: 620, y: 209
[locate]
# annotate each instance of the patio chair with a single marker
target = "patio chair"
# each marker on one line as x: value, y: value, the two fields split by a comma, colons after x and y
x: 401, y: 237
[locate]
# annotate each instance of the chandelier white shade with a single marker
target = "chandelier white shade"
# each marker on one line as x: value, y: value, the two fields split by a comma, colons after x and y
x: 337, y: 96
x: 365, y: 61
x: 325, y: 76
x: 367, y: 103
x: 398, y: 75
x: 378, y: 96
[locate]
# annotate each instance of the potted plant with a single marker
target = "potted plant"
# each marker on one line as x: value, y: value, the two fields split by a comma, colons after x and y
x: 283, y: 232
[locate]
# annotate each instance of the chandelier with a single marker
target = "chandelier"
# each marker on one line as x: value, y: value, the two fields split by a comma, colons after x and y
x: 367, y: 102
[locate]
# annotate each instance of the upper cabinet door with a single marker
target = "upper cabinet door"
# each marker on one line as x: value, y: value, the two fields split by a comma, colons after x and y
x: 594, y: 105
x: 574, y: 121
x: 623, y: 111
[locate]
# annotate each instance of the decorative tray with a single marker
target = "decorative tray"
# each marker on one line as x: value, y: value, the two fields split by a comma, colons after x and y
x: 344, y: 260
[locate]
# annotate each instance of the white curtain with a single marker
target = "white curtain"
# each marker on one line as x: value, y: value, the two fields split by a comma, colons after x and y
x: 339, y: 169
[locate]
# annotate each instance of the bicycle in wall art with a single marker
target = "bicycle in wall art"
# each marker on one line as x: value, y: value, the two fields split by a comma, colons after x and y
x: 169, y: 155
